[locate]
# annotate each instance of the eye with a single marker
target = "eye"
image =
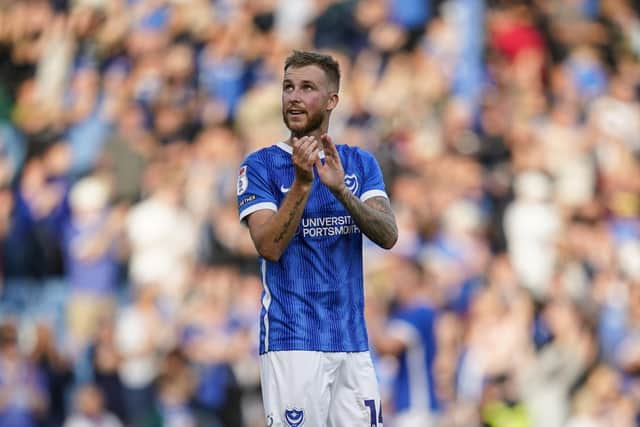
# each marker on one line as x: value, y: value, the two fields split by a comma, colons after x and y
x: 307, y: 87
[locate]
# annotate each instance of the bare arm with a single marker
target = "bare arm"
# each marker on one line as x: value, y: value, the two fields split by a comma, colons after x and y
x: 374, y: 217
x: 271, y: 231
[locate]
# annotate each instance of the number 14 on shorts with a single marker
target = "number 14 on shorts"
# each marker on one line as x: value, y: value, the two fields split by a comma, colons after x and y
x: 376, y: 415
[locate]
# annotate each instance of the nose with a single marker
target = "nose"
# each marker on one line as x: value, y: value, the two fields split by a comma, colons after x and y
x: 293, y: 96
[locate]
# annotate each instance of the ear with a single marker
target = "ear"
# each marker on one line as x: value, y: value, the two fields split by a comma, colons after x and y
x: 333, y: 101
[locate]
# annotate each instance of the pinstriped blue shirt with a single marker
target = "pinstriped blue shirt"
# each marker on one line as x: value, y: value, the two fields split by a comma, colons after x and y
x: 313, y: 297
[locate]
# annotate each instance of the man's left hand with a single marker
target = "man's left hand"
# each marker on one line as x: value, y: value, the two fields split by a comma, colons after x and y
x: 330, y: 171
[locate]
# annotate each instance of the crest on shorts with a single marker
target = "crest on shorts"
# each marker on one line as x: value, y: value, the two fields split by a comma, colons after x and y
x: 351, y: 182
x: 243, y: 181
x: 294, y: 417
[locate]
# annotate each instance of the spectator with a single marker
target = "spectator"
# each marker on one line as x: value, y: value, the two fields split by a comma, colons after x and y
x: 126, y: 153
x: 138, y: 337
x: 531, y: 225
x: 23, y: 392
x: 56, y: 368
x: 90, y: 242
x: 89, y: 410
x: 162, y: 237
x: 546, y: 381
x: 105, y: 359
x: 212, y: 342
x: 409, y: 336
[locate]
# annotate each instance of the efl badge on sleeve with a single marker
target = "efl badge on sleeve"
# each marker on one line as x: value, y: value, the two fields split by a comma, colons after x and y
x: 294, y: 417
x: 243, y: 181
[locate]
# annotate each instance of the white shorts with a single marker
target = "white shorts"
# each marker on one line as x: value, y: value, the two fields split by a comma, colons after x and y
x: 316, y: 389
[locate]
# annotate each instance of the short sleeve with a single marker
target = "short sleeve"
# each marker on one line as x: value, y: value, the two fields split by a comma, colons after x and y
x: 252, y: 188
x: 373, y: 183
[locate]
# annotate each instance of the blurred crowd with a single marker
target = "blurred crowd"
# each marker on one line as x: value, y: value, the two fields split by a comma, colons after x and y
x: 508, y: 133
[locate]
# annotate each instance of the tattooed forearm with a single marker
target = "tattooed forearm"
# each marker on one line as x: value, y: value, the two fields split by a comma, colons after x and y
x: 375, y: 217
x: 272, y: 231
x: 290, y: 218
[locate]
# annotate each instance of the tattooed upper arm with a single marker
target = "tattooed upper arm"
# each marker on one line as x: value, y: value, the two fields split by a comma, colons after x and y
x: 380, y: 227
x: 380, y: 204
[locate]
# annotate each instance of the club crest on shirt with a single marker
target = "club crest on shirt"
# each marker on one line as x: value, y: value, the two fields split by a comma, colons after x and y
x: 243, y: 181
x: 294, y: 417
x: 351, y: 182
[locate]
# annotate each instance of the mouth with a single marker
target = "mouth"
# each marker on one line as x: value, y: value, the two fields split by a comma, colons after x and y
x: 293, y: 112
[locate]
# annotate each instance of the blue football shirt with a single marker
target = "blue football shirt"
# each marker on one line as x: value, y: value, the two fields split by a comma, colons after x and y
x: 313, y: 297
x: 414, y: 388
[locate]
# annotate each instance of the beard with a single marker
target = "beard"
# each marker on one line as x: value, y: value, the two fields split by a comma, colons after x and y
x: 298, y: 129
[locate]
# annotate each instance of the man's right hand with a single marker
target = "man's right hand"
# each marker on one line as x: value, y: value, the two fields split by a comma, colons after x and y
x: 306, y: 151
